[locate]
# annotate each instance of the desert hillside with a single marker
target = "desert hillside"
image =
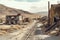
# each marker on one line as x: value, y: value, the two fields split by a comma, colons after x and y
x: 4, y: 10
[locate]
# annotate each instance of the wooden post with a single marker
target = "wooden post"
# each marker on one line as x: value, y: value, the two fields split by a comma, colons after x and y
x: 48, y: 13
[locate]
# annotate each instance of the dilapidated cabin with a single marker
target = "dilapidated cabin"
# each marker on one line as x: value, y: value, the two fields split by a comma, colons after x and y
x: 54, y: 13
x: 12, y: 19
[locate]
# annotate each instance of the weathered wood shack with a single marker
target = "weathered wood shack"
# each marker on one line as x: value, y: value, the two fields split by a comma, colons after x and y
x: 54, y: 13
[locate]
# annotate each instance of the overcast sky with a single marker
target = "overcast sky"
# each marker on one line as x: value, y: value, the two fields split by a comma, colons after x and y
x: 29, y: 5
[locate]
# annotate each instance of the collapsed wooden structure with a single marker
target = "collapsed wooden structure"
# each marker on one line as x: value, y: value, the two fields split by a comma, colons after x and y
x: 53, y: 18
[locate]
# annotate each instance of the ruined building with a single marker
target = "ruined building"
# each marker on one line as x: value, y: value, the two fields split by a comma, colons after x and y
x: 53, y: 26
x: 12, y: 19
x: 54, y: 13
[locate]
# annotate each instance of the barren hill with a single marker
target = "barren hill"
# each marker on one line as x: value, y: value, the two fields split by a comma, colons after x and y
x: 4, y: 10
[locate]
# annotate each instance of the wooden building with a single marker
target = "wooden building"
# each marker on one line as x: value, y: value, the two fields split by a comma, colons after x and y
x: 12, y: 19
x: 53, y: 19
x: 54, y: 13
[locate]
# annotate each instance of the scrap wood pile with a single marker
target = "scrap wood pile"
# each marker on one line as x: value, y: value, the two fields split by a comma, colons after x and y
x: 53, y: 29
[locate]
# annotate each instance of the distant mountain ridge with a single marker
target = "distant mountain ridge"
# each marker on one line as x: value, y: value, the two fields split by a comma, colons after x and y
x: 45, y: 13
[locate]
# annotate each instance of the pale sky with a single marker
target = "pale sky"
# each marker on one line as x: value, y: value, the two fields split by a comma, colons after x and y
x: 29, y: 5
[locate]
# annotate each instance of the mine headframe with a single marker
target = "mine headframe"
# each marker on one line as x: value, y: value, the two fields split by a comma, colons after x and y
x: 12, y: 19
